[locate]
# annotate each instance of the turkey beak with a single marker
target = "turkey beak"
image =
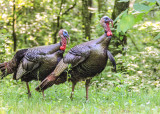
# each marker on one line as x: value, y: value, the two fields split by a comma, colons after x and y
x: 109, y: 20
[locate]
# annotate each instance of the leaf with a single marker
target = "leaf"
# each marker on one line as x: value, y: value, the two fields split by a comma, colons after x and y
x: 141, y: 7
x: 157, y: 37
x: 127, y: 21
x: 151, y: 4
x: 130, y: 102
x: 150, y: 1
x: 4, y: 31
x: 121, y: 38
x: 120, y: 15
x: 158, y: 1
x: 123, y: 0
x: 139, y: 17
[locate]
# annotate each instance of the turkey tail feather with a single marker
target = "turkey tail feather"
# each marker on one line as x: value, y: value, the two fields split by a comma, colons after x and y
x: 112, y: 59
x: 20, y: 72
x: 3, y: 69
x: 60, y: 68
x: 11, y: 66
x: 51, y: 79
x: 46, y: 83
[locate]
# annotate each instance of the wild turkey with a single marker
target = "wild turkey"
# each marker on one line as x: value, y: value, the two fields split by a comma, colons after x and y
x: 87, y: 60
x: 36, y: 63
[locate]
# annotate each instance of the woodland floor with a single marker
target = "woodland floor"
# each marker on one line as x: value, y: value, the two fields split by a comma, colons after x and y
x: 13, y: 99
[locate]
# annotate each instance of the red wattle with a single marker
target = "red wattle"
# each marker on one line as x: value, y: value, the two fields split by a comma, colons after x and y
x: 62, y: 48
x: 109, y: 33
x: 64, y: 43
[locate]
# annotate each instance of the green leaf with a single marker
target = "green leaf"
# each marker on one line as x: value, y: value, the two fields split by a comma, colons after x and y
x: 158, y: 1
x: 139, y: 17
x: 130, y: 102
x: 127, y: 21
x: 151, y: 4
x: 120, y: 15
x: 150, y: 0
x: 157, y: 37
x: 141, y: 7
x: 123, y: 0
x: 4, y: 31
x: 121, y: 38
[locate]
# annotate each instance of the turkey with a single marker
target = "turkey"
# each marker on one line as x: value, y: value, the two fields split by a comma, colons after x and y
x: 87, y: 60
x: 36, y: 63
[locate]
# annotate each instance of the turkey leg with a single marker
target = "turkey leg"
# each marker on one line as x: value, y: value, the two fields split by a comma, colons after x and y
x: 43, y: 94
x: 87, y: 86
x: 72, y: 93
x: 29, y: 92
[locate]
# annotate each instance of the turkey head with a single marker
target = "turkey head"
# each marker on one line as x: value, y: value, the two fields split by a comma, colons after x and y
x: 64, y: 36
x: 105, y: 21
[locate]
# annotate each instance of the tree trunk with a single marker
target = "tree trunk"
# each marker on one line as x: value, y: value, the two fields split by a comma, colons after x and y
x: 14, y: 26
x: 119, y: 7
x: 99, y: 6
x: 102, y: 7
x: 57, y: 29
x: 86, y: 18
x: 90, y: 4
x: 58, y: 23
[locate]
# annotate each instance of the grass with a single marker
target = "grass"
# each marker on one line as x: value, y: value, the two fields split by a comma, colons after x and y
x: 13, y: 99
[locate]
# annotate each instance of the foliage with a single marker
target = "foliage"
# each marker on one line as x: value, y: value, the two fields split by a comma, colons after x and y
x: 122, y: 26
x: 134, y: 88
x: 131, y: 18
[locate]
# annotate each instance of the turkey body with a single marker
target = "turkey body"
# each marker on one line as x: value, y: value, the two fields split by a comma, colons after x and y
x: 93, y: 64
x: 33, y: 63
x: 40, y: 61
x: 36, y: 63
x: 87, y: 60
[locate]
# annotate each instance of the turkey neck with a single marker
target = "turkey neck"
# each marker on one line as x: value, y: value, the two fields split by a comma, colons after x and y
x: 49, y: 49
x: 104, y: 40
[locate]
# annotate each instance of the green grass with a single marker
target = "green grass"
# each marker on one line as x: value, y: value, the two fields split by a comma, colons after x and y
x: 13, y: 99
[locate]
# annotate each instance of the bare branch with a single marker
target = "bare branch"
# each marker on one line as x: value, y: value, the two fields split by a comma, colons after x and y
x: 69, y: 9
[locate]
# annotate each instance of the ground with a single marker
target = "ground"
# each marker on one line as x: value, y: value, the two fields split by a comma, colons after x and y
x: 13, y: 99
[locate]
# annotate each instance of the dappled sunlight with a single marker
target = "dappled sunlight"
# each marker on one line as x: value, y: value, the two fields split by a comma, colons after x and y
x: 155, y: 26
x: 135, y: 45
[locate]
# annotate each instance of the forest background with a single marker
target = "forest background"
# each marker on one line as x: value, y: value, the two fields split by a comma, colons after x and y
x: 135, y: 45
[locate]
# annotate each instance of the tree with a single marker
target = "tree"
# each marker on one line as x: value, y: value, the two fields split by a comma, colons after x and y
x: 102, y: 7
x: 121, y: 39
x: 119, y: 7
x: 14, y: 26
x: 58, y: 24
x: 86, y: 18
